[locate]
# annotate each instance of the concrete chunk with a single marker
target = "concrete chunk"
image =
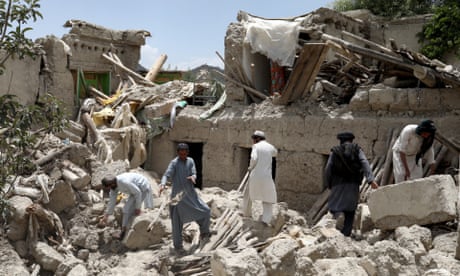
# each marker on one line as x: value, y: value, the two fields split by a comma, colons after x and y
x: 422, y: 201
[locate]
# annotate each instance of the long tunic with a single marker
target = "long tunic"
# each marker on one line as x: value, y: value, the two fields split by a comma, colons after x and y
x: 344, y: 194
x: 191, y: 207
x: 409, y: 142
x: 137, y: 187
x: 261, y: 185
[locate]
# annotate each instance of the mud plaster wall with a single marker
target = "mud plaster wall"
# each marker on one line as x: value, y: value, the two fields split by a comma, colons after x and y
x: 89, y: 41
x: 404, y: 31
x: 59, y: 82
x: 86, y: 42
x: 303, y: 143
x: 12, y: 79
x: 303, y: 138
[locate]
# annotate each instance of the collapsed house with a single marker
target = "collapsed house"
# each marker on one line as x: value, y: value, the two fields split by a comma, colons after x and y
x: 339, y: 81
x: 331, y: 72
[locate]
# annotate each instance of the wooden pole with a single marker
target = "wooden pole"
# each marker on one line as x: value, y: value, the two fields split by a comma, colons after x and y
x: 446, y: 142
x: 409, y: 65
x: 249, y: 89
x: 115, y: 60
x: 156, y: 67
x: 388, y: 167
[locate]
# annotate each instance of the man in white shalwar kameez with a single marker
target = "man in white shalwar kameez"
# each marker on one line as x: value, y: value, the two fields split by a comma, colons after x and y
x: 139, y: 190
x: 261, y: 185
x: 414, y: 144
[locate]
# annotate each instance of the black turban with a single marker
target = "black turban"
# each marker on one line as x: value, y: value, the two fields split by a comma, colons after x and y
x: 426, y: 126
x: 345, y: 136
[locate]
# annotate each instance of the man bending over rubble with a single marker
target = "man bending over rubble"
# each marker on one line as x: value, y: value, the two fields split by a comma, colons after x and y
x: 413, y: 146
x: 139, y: 190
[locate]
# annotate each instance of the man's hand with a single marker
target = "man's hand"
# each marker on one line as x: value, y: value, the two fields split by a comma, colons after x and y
x: 192, y: 178
x: 162, y: 187
x: 406, y: 174
x: 374, y: 185
x: 432, y: 169
x: 103, y: 220
x: 137, y: 212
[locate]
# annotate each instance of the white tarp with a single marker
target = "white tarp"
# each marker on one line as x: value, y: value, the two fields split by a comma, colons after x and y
x: 277, y: 39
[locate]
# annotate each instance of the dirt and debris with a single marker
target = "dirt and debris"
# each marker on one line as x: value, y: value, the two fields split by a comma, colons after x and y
x: 52, y: 227
x: 60, y: 234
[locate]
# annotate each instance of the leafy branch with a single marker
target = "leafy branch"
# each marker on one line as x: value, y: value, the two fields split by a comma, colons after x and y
x: 14, y: 17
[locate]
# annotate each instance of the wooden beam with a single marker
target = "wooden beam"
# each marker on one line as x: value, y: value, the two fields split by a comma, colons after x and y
x: 399, y: 61
x: 446, y: 142
x: 370, y: 43
x: 156, y: 67
x: 116, y: 61
x: 304, y: 72
x: 249, y: 89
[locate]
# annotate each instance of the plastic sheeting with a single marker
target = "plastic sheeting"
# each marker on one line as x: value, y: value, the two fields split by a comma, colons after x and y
x: 276, y: 39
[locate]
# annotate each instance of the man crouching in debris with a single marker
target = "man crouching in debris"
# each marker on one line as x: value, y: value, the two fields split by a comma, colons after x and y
x: 139, y: 190
x: 343, y: 175
x: 182, y: 172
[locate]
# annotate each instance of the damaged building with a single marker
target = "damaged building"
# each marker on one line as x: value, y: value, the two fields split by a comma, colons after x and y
x: 335, y: 80
x: 301, y: 80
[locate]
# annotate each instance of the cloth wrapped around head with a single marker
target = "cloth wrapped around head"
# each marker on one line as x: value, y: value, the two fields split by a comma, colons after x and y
x: 345, y: 136
x: 426, y: 126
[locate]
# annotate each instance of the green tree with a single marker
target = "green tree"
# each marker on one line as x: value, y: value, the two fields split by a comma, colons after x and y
x: 442, y: 33
x: 14, y: 17
x: 20, y: 128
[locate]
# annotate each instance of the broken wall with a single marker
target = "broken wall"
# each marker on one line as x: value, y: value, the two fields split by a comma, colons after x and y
x: 303, y: 131
x: 253, y: 68
x: 88, y: 42
x: 58, y: 80
x: 56, y: 71
x: 403, y: 31
x: 12, y: 81
x: 303, y: 141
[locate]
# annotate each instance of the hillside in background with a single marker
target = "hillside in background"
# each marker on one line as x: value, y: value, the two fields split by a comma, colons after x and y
x: 204, y: 72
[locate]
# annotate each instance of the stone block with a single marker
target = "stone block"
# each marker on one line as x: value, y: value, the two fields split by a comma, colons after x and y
x: 360, y: 101
x: 424, y: 100
x: 422, y: 201
x: 381, y: 99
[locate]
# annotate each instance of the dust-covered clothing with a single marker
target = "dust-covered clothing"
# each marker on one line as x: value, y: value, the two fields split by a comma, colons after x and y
x: 409, y: 143
x: 139, y: 190
x: 344, y: 194
x: 344, y: 183
x: 191, y: 207
x: 261, y: 184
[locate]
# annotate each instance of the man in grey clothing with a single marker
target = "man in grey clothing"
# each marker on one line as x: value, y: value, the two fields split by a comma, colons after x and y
x: 343, y: 175
x: 182, y: 173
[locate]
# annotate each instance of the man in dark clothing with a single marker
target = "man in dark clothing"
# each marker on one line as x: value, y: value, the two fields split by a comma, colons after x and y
x: 344, y: 172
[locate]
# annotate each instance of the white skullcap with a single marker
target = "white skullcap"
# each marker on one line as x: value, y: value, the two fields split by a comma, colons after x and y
x: 259, y: 133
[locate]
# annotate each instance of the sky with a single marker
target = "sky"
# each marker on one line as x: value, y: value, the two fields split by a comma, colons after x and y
x: 189, y: 32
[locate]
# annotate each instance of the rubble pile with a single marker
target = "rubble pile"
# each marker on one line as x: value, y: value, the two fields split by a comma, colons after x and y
x: 410, y: 228
x: 53, y: 224
x: 55, y: 230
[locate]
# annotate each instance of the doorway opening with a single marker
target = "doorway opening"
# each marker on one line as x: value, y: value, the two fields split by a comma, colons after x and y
x: 196, y: 152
